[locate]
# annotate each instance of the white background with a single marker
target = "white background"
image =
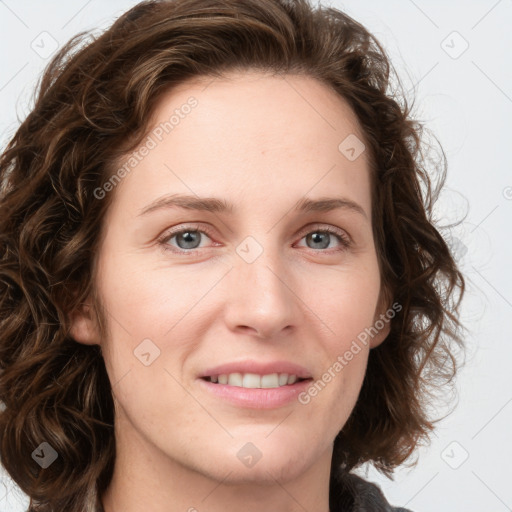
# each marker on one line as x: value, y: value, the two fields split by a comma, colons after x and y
x: 465, y: 98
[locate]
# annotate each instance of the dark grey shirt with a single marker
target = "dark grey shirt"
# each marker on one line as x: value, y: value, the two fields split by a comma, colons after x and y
x: 353, y: 495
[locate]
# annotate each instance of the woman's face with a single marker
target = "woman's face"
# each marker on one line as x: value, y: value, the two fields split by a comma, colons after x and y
x: 252, y: 285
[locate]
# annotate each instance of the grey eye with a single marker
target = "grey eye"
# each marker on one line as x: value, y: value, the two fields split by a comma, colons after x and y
x: 319, y: 237
x: 189, y: 239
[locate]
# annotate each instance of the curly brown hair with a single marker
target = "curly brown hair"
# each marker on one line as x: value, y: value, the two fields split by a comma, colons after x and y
x: 93, y: 105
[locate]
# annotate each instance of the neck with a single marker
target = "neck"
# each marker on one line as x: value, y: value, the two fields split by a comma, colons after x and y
x: 144, y: 478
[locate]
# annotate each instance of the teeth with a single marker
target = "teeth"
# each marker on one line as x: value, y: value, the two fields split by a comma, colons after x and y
x: 292, y: 379
x: 253, y: 380
x: 235, y: 379
x: 270, y: 381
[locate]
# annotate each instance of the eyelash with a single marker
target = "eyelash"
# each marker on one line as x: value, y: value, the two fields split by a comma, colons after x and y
x: 344, y: 240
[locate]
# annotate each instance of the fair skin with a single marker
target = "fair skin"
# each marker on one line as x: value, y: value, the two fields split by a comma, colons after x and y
x: 262, y: 143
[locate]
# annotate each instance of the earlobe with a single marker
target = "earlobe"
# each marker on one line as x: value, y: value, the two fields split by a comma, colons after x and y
x: 382, y: 320
x: 82, y: 327
x: 383, y: 325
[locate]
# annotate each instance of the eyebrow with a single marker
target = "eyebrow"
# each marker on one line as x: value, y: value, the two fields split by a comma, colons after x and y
x: 216, y: 205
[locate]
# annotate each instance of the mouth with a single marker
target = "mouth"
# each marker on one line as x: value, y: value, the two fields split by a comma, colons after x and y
x: 256, y: 384
x: 254, y: 380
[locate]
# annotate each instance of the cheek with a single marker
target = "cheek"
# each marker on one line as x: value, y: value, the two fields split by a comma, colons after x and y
x: 157, y: 320
x: 153, y: 300
x: 151, y: 336
x: 348, y: 305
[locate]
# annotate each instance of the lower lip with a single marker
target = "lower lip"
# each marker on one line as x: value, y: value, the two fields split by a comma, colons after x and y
x: 256, y: 398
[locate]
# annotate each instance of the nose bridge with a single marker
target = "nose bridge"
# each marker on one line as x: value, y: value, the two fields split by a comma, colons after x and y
x: 261, y: 294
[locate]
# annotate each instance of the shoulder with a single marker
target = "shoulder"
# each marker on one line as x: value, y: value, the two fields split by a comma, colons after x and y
x: 365, y: 496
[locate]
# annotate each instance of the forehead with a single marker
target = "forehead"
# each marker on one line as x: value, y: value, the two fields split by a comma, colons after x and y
x: 262, y: 104
x: 250, y: 135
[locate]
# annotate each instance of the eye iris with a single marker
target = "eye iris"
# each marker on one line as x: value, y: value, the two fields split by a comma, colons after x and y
x: 190, y: 238
x: 317, y: 236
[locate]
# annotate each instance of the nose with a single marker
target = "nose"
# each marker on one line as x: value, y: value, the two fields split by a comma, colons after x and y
x: 260, y: 297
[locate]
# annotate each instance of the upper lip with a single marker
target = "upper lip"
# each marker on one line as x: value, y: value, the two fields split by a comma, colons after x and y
x: 257, y: 367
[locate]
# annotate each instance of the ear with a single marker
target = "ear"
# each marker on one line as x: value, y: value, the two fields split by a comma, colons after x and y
x: 382, y: 319
x: 83, y: 327
x: 382, y: 333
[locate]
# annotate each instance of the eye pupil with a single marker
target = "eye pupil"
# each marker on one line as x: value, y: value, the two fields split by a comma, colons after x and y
x: 189, y: 237
x: 317, y: 236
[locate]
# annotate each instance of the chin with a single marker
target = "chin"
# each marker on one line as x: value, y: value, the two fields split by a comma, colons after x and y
x: 263, y: 473
x: 261, y: 460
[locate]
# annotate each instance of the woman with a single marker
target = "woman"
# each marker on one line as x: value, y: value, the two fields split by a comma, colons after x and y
x: 220, y: 283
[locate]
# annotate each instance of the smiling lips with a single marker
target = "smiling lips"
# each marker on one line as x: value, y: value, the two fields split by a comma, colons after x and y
x: 256, y: 385
x: 253, y: 380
